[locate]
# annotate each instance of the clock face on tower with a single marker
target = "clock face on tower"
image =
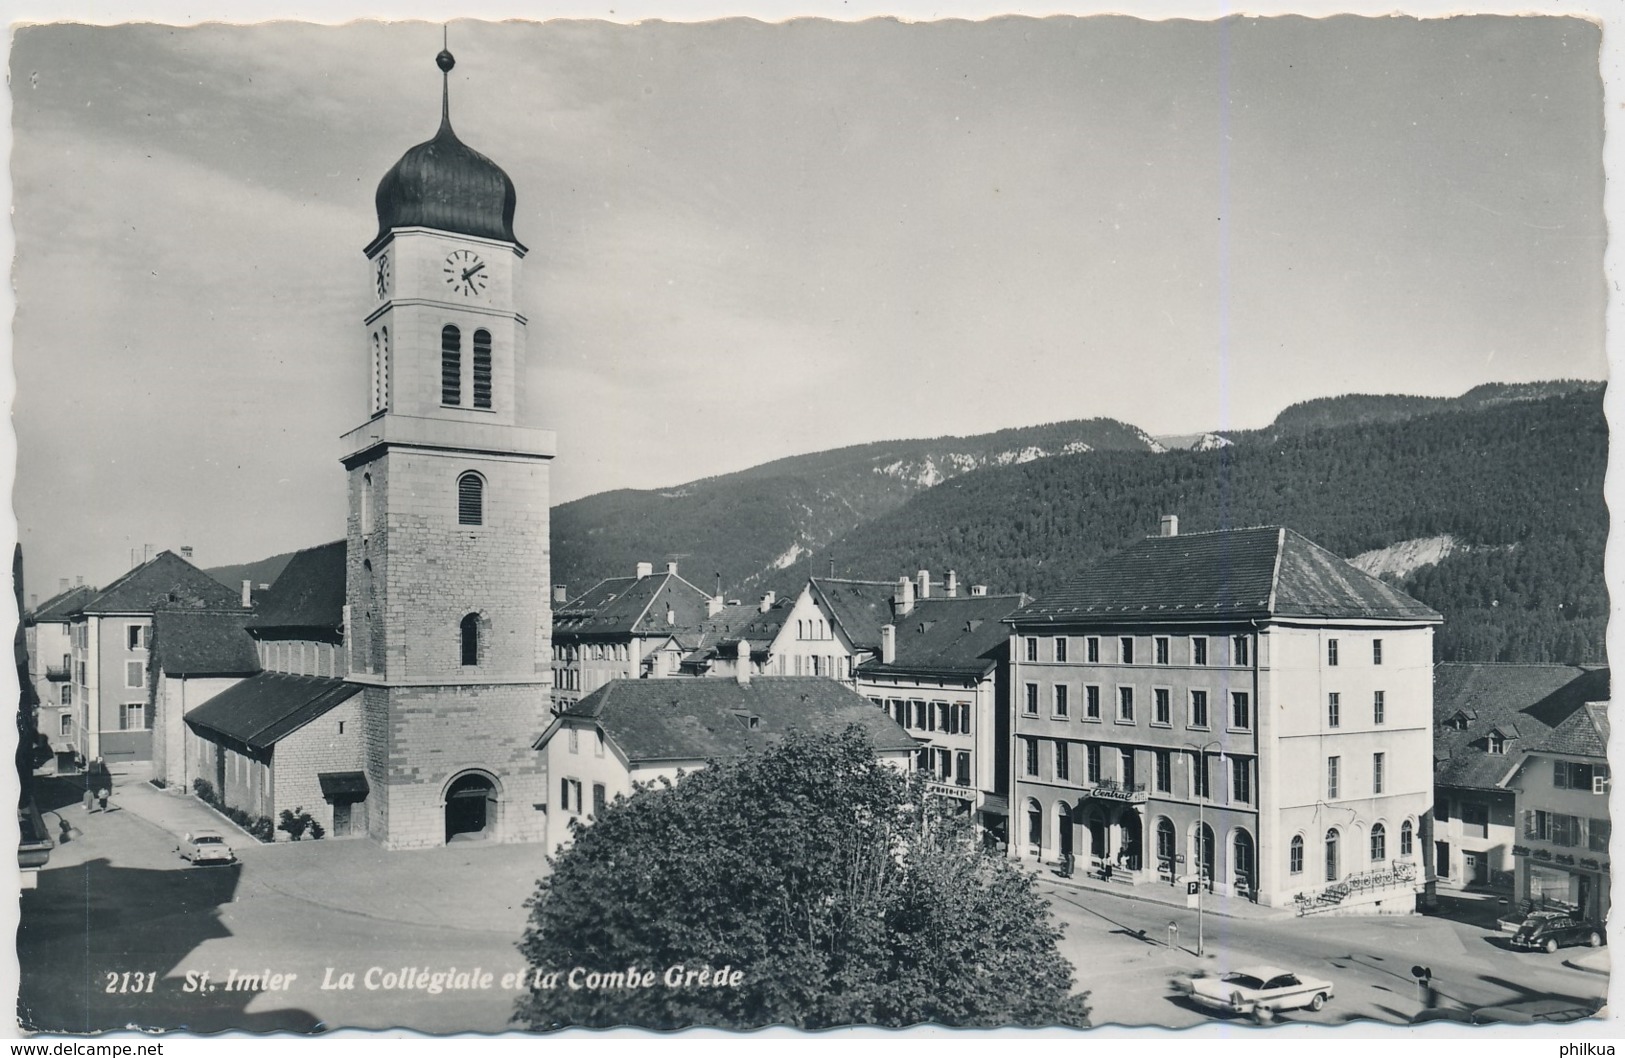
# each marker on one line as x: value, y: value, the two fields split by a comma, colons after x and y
x: 381, y: 275
x: 465, y: 273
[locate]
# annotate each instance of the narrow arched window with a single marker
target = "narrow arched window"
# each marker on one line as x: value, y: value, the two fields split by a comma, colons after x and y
x: 482, y: 369
x: 471, y: 639
x: 470, y: 499
x: 1333, y: 870
x: 377, y: 372
x: 1405, y: 836
x: 451, y: 365
x: 383, y: 373
x: 1295, y: 863
x: 366, y: 504
x: 1379, y: 843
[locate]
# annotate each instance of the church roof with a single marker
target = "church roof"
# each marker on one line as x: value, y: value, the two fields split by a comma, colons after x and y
x: 447, y: 185
x: 1230, y: 574
x: 264, y: 709
x: 309, y: 594
x: 204, y: 643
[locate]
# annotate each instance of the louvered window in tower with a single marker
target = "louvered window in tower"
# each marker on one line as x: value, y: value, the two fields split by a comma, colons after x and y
x: 470, y: 499
x: 451, y: 365
x: 482, y: 369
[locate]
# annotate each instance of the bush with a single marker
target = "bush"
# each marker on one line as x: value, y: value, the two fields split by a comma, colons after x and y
x: 317, y: 831
x: 205, y: 791
x: 296, y: 821
x: 263, y: 829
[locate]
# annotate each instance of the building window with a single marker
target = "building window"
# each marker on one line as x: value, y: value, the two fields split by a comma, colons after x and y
x: 470, y: 499
x: 1125, y: 705
x: 962, y: 711
x: 1060, y: 648
x: 1062, y: 772
x: 1162, y: 706
x: 482, y: 369
x: 1198, y: 650
x: 1332, y: 869
x: 1331, y: 652
x: 1125, y: 649
x: 1240, y: 651
x: 1031, y: 747
x: 575, y: 740
x: 1494, y: 743
x: 570, y: 796
x: 135, y: 674
x: 67, y: 694
x: 1334, y: 709
x: 962, y: 768
x: 599, y: 794
x: 1200, y: 787
x: 1032, y: 648
x: 1379, y: 707
x: 1091, y: 757
x: 1061, y: 703
x: 1091, y: 703
x: 64, y: 725
x: 1163, y: 767
x: 1198, y: 708
x: 1598, y: 831
x: 382, y: 379
x: 470, y: 629
x: 1241, y: 781
x: 1332, y: 764
x: 1407, y: 834
x: 1125, y: 767
x: 1091, y: 650
x: 135, y: 637
x: 1377, y: 770
x: 1295, y: 861
x: 132, y: 716
x: 1031, y: 705
x: 1376, y: 652
x: 1241, y: 710
x: 1573, y: 775
x: 944, y: 715
x: 1160, y: 649
x: 1379, y: 843
x: 451, y: 365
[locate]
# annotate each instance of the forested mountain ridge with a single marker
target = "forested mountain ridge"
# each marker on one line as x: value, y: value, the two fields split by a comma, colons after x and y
x: 749, y: 524
x: 1356, y: 408
x: 1518, y: 482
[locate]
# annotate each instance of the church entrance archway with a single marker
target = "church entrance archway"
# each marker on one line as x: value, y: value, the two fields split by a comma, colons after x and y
x: 471, y: 807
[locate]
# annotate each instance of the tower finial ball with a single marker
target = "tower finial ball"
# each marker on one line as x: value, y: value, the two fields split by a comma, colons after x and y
x: 445, y: 61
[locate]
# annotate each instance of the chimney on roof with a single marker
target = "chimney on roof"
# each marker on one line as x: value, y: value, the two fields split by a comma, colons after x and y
x: 713, y: 606
x: 79, y: 582
x: 248, y: 594
x: 888, y: 644
x: 146, y: 552
x: 645, y: 569
x: 742, y: 671
x: 952, y: 587
x: 61, y: 584
x: 902, y: 603
x: 978, y: 589
x: 767, y: 601
x: 186, y: 552
x: 925, y: 583
x: 561, y: 594
x: 33, y: 600
x: 671, y: 616
x: 1170, y: 525
x: 671, y: 569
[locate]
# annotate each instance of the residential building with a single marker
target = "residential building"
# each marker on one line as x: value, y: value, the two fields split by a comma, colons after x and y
x: 1486, y: 718
x: 47, y: 631
x: 1561, y: 786
x: 110, y: 641
x: 1241, y: 706
x: 625, y: 628
x: 943, y: 674
x: 637, y: 731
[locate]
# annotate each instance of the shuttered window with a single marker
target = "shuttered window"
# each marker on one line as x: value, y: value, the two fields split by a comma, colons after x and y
x: 470, y: 499
x: 451, y: 365
x: 482, y: 369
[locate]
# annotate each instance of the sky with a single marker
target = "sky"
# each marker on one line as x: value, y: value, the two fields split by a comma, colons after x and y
x: 749, y: 240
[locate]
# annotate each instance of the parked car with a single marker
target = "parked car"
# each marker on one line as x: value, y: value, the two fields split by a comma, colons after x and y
x: 1525, y: 1012
x: 205, y: 846
x: 1550, y: 932
x: 1244, y: 991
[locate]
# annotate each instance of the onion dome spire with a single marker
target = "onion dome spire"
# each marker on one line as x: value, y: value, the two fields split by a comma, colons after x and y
x: 445, y: 184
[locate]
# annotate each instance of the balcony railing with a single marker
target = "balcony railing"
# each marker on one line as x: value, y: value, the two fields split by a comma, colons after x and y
x: 56, y: 673
x: 1112, y: 790
x: 1401, y: 873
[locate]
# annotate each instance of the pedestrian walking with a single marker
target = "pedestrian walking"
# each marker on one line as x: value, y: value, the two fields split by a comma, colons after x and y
x: 67, y: 831
x: 90, y: 800
x: 102, y: 795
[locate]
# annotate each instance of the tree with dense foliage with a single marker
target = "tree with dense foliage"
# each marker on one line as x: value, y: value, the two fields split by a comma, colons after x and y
x: 828, y: 885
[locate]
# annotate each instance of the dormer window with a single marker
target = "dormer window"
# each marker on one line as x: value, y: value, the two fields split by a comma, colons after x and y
x: 1459, y: 721
x: 1495, y: 743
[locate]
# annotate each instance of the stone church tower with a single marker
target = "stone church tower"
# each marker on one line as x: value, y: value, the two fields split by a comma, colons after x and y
x: 447, y: 622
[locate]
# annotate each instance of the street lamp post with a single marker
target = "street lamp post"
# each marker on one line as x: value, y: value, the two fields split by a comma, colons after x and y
x: 1201, y: 831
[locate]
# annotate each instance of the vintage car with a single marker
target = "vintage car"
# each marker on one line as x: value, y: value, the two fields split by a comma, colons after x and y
x: 1550, y: 932
x: 1245, y: 990
x: 205, y: 846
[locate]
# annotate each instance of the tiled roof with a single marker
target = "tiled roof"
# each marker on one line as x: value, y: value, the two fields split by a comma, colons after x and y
x: 622, y: 606
x: 860, y: 607
x: 62, y: 605
x: 1583, y: 734
x: 309, y: 594
x: 164, y: 582
x: 758, y: 627
x: 701, y: 719
x: 959, y: 635
x: 203, y: 643
x: 1231, y: 574
x: 1523, y: 702
x: 264, y: 709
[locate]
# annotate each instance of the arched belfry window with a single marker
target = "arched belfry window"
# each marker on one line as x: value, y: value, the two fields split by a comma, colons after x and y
x: 470, y: 499
x: 377, y: 373
x: 471, y: 639
x: 482, y: 369
x: 366, y: 504
x: 451, y: 365
x: 383, y: 372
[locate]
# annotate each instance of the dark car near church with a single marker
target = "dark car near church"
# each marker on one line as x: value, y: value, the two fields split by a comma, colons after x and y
x: 1550, y: 932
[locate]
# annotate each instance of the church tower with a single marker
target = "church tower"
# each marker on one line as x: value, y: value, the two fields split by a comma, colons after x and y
x: 447, y: 619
